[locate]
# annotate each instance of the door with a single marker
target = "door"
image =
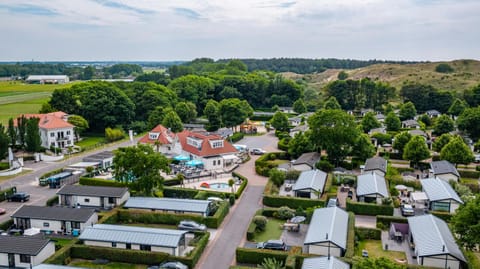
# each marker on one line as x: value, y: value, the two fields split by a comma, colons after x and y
x: 68, y: 227
x: 102, y: 202
x: 11, y: 260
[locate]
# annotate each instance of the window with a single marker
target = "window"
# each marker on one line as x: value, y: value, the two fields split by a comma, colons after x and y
x: 214, y: 162
x: 86, y: 200
x: 111, y: 200
x: 114, y: 244
x: 153, y: 135
x: 128, y: 246
x: 68, y: 142
x: 25, y: 258
x: 52, y: 144
x: 216, y: 144
x: 52, y: 134
x: 68, y: 132
x: 145, y: 247
x: 46, y: 224
x: 194, y: 142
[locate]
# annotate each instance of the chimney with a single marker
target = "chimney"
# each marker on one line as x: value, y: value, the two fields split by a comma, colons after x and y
x: 443, y: 248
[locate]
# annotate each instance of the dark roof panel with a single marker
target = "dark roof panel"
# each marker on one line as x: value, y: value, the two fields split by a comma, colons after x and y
x: 28, y: 245
x: 94, y: 191
x: 54, y: 213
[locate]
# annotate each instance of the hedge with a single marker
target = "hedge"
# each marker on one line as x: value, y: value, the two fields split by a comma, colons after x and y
x: 350, y: 236
x: 383, y: 222
x: 62, y: 256
x: 6, y: 224
x: 256, y: 256
x: 149, y: 217
x: 262, y: 164
x: 292, y: 202
x: 404, y: 169
x: 469, y: 173
x: 368, y: 233
x: 193, y: 257
x: 100, y: 182
x: 52, y: 201
x: 117, y: 255
x: 252, y: 227
x: 283, y: 144
x: 172, y: 182
x: 369, y: 209
x: 446, y: 216
x: 409, y: 183
x: 243, y: 185
x: 4, y: 193
x: 236, y: 137
x: 51, y: 173
x: 4, y: 165
x: 217, y: 219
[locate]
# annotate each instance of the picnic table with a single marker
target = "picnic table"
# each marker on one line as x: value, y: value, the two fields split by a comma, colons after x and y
x: 292, y: 227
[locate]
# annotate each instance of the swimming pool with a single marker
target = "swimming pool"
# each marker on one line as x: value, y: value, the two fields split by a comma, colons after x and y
x: 219, y: 186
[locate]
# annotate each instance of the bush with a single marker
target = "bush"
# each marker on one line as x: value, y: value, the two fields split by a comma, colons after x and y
x: 325, y: 166
x: 4, y: 165
x: 236, y: 137
x: 446, y: 216
x: 369, y: 209
x: 260, y: 222
x: 350, y: 236
x: 6, y: 225
x: 285, y: 212
x: 256, y: 256
x: 368, y: 233
x: 292, y: 174
x: 263, y: 166
x: 469, y: 174
x: 201, y: 195
x: 292, y: 202
x: 283, y: 143
x: 114, y: 134
x: 51, y: 173
x: 52, y: 201
x: 251, y: 231
x: 277, y: 177
x: 444, y: 68
x: 383, y: 222
x: 88, y: 181
x: 231, y: 199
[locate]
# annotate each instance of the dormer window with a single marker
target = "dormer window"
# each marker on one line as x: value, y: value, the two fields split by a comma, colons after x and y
x: 216, y: 144
x: 153, y: 136
x: 194, y: 142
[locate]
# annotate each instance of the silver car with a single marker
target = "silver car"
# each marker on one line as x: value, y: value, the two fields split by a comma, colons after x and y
x: 190, y: 225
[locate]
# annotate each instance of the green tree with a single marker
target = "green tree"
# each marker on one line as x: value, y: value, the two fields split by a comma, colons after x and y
x: 401, y: 140
x: 334, y: 131
x: 342, y: 75
x: 193, y: 88
x: 377, y: 263
x: 392, y: 122
x: 4, y: 141
x: 21, y: 129
x: 277, y: 177
x: 271, y: 263
x: 444, y: 68
x: 80, y: 123
x: 441, y: 141
x: 88, y: 72
x: 444, y: 124
x: 425, y: 119
x: 457, y: 107
x: 363, y: 147
x: 156, y: 117
x: 465, y: 223
x: 172, y: 121
x: 187, y: 111
x: 212, y: 112
x: 279, y: 121
x: 234, y: 111
x: 114, y: 134
x: 407, y: 111
x: 300, y: 144
x: 456, y: 151
x: 32, y: 138
x: 12, y: 133
x: 469, y: 121
x: 369, y: 121
x: 299, y: 106
x: 388, y: 109
x: 140, y: 168
x: 230, y: 92
x: 331, y: 103
x: 416, y: 150
x: 46, y: 108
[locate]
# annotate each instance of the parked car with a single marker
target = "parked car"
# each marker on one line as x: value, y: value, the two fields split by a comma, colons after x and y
x: 257, y: 151
x: 332, y: 202
x: 191, y: 226
x: 273, y: 244
x: 2, y: 211
x: 407, y: 210
x: 18, y: 197
x: 170, y: 265
x: 214, y: 199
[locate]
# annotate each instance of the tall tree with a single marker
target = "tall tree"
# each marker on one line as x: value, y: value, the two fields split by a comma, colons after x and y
x: 441, y: 142
x: 279, y: 121
x: 299, y: 106
x: 457, y: 107
x: 407, y: 111
x: 416, y: 150
x: 331, y: 103
x: 187, y: 111
x: 12, y: 133
x: 172, y: 121
x: 425, y: 119
x: 140, y: 168
x: 426, y: 97
x: 300, y: 144
x: 392, y: 122
x: 230, y: 92
x: 156, y: 117
x: 4, y: 141
x: 212, y: 112
x: 32, y: 137
x: 88, y: 72
x: 234, y: 111
x: 22, y: 129
x: 443, y: 124
x: 465, y: 223
x: 193, y: 88
x: 363, y: 147
x: 369, y: 121
x: 456, y: 151
x: 401, y: 140
x: 469, y: 121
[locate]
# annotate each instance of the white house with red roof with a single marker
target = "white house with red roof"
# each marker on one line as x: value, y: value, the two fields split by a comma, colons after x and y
x: 55, y: 130
x: 162, y: 140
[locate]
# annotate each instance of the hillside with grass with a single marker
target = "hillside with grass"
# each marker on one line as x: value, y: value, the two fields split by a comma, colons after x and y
x: 465, y: 75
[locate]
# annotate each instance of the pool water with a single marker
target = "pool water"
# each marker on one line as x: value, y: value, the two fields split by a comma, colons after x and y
x: 219, y: 186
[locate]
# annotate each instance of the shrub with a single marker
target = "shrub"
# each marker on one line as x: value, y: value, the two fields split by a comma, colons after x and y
x: 243, y: 185
x: 285, y: 212
x: 4, y: 193
x: 469, y: 174
x: 251, y: 231
x: 6, y: 225
x: 4, y: 165
x: 201, y: 195
x: 231, y: 199
x: 369, y: 209
x: 446, y: 216
x: 277, y: 177
x: 236, y: 137
x: 368, y: 233
x: 293, y: 202
x: 52, y: 201
x: 114, y: 134
x: 100, y: 182
x: 350, y: 236
x: 51, y: 173
x: 292, y: 174
x: 256, y: 256
x: 383, y: 222
x: 262, y: 164
x: 444, y: 68
x: 260, y: 222
x: 324, y: 165
x: 217, y: 219
x: 283, y: 143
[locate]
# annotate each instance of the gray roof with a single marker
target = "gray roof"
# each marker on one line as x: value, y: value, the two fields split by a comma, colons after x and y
x: 99, y: 156
x: 432, y: 237
x: 40, y: 77
x: 171, y: 204
x: 433, y: 112
x: 54, y: 266
x: 438, y: 189
x: 376, y: 163
x: 328, y: 224
x: 410, y: 123
x: 54, y: 213
x: 417, y: 132
x: 133, y: 235
x: 324, y: 263
x: 310, y: 158
x: 371, y: 183
x: 93, y: 191
x: 27, y: 245
x: 443, y: 167
x: 313, y: 179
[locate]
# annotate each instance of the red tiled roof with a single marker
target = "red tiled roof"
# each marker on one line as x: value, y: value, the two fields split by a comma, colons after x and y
x: 205, y: 149
x: 54, y: 120
x: 163, y: 136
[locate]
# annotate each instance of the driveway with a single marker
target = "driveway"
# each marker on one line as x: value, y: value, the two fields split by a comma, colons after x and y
x: 365, y: 221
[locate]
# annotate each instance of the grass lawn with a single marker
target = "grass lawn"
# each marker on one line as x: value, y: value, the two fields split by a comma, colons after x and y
x: 272, y: 231
x: 473, y: 259
x: 110, y: 265
x: 469, y: 180
x: 374, y: 248
x: 278, y: 162
x: 62, y: 241
x: 90, y: 141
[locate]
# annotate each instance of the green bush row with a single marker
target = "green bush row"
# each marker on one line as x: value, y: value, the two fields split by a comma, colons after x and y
x: 283, y: 143
x: 118, y: 255
x: 369, y: 209
x: 350, y: 236
x: 242, y: 186
x: 52, y: 201
x: 368, y: 233
x: 404, y: 169
x: 100, y: 182
x: 217, y: 219
x: 256, y: 256
x: 253, y: 227
x: 6, y: 192
x: 292, y: 202
x: 51, y: 173
x: 383, y: 222
x: 172, y: 182
x: 237, y: 136
x: 446, y: 216
x: 262, y: 164
x: 469, y: 173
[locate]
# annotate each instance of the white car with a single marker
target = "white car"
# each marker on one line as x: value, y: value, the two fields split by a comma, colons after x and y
x: 407, y: 210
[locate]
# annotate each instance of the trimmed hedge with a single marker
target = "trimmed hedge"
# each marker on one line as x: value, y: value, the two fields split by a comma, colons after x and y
x: 399, y: 181
x: 446, y: 216
x: 51, y: 173
x: 383, y: 222
x: 243, y: 185
x: 100, y: 182
x: 52, y: 201
x: 117, y: 255
x: 256, y: 256
x: 6, y: 224
x: 4, y: 193
x: 172, y: 182
x: 4, y: 165
x: 283, y: 143
x: 292, y: 202
x: 216, y: 220
x: 149, y: 217
x: 404, y: 169
x: 368, y: 233
x: 236, y: 137
x: 350, y: 236
x: 469, y: 173
x: 262, y: 164
x: 369, y: 209
x: 252, y: 227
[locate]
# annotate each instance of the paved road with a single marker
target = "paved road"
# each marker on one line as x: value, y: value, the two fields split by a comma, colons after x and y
x: 27, y: 183
x: 220, y: 253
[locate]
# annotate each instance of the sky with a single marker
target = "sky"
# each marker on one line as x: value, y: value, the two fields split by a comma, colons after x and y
x: 161, y: 30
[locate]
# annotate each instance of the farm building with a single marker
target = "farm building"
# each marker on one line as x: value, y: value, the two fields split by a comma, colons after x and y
x: 47, y: 79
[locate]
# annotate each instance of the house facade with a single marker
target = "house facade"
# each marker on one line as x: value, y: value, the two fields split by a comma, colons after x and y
x: 61, y: 220
x: 162, y: 140
x: 441, y: 195
x: 444, y: 170
x: 24, y: 251
x: 306, y: 161
x: 92, y: 196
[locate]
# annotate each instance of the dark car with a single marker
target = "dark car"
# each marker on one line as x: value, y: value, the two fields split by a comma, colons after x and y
x: 273, y: 244
x: 191, y: 226
x: 18, y: 197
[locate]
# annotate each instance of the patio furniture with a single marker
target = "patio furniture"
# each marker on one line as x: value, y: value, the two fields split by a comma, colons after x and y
x: 291, y: 227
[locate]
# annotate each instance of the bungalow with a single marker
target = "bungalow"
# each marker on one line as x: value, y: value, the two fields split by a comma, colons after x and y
x: 310, y: 184
x: 381, y: 130
x: 55, y: 130
x: 24, y: 251
x: 419, y: 133
x: 306, y: 161
x: 104, y: 159
x: 444, y: 170
x: 201, y: 207
x: 214, y: 152
x: 433, y: 113
x: 324, y: 263
x: 92, y: 196
x: 162, y: 140
x: 61, y: 220
x: 434, y: 244
x: 138, y: 238
x: 327, y: 232
x: 299, y: 129
x: 410, y: 124
x: 376, y: 164
x: 371, y: 188
x: 441, y: 196
x: 364, y: 111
